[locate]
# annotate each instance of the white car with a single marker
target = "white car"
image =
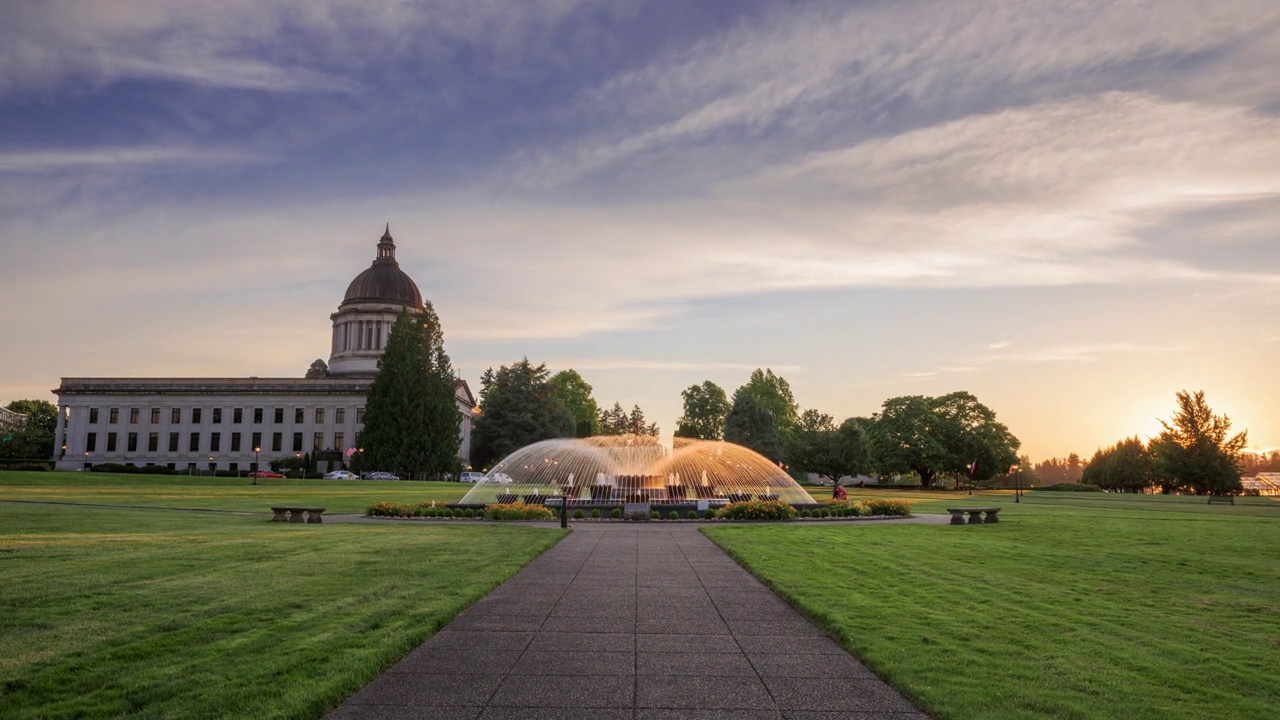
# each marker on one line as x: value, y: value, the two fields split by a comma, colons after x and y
x: 501, y: 478
x: 471, y: 477
x: 341, y: 475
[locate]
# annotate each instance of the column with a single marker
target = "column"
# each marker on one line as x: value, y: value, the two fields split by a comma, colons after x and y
x: 57, y: 434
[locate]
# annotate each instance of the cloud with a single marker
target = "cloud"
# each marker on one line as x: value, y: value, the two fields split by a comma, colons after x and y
x: 37, y: 161
x: 270, y: 45
x: 826, y: 73
x: 1085, y: 353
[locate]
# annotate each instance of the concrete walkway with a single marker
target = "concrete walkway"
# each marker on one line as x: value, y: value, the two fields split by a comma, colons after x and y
x: 623, y: 621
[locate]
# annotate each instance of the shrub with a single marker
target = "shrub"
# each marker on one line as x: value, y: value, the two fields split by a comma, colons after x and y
x: 824, y: 513
x: 616, y: 513
x: 691, y: 515
x: 1072, y: 487
x: 517, y: 511
x: 673, y: 514
x: 447, y: 512
x: 29, y: 466
x: 653, y: 515
x: 892, y: 508
x: 595, y: 514
x: 806, y: 513
x: 578, y: 514
x: 383, y: 508
x: 758, y: 510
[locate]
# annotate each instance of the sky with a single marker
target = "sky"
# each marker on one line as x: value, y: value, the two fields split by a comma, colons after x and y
x: 1070, y: 209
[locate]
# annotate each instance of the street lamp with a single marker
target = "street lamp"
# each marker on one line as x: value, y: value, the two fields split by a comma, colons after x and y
x: 1017, y: 483
x: 298, y: 457
x: 86, y: 459
x: 257, y: 468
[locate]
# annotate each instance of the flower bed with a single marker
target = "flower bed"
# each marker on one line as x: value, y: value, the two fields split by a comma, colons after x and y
x: 757, y: 510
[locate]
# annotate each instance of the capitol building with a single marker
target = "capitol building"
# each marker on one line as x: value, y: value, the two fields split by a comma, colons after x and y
x: 233, y: 424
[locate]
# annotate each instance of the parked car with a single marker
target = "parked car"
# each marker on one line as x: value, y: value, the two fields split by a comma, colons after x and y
x: 502, y: 478
x: 381, y: 476
x: 341, y: 475
x: 471, y: 477
x: 265, y: 474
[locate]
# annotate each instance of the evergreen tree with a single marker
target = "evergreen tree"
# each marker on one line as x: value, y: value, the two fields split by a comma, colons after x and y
x: 1195, y: 451
x: 520, y: 408
x: 750, y: 425
x: 411, y: 415
x: 615, y: 421
x: 705, y: 406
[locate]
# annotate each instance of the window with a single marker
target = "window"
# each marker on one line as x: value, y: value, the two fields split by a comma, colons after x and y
x: 173, y: 442
x: 175, y: 416
x: 257, y: 415
x: 217, y: 416
x: 93, y: 415
x: 114, y: 416
x: 359, y: 415
x: 215, y: 442
x: 277, y: 440
x: 195, y: 416
x: 153, y: 442
x: 172, y: 466
x: 191, y: 467
x: 340, y: 415
x: 297, y: 442
x: 337, y: 441
x: 111, y: 442
x: 131, y: 443
x: 319, y: 415
x: 279, y: 415
x: 234, y: 467
x: 317, y: 442
x: 194, y: 445
x: 257, y: 441
x: 237, y: 416
x: 134, y: 416
x: 235, y: 442
x: 298, y: 416
x: 155, y: 416
x: 91, y: 442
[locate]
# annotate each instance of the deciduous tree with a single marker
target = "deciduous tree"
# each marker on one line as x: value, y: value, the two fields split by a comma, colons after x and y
x: 705, y: 407
x: 752, y: 426
x: 575, y: 393
x: 32, y: 438
x: 773, y: 394
x: 949, y: 434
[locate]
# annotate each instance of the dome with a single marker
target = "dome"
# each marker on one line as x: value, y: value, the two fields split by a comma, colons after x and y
x: 384, y: 281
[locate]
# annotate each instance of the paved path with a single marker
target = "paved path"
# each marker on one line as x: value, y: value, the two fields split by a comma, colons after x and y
x: 623, y: 621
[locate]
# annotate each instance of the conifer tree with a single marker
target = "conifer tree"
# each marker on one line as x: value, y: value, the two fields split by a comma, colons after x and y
x: 411, y: 415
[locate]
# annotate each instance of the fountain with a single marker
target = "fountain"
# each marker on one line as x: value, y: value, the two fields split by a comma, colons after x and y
x: 619, y: 469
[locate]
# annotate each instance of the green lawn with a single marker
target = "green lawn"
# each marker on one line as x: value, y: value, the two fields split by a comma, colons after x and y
x: 209, y: 493
x: 1073, y: 606
x: 153, y: 614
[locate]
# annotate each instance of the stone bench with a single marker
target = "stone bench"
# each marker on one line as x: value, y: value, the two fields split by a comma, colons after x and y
x: 975, y: 515
x: 295, y: 514
x: 1222, y: 499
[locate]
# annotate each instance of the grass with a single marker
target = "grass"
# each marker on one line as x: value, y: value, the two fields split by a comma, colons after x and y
x: 209, y: 493
x: 112, y: 612
x: 1073, y: 606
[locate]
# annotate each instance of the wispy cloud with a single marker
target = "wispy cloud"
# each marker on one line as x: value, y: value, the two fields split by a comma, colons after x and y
x: 1084, y: 353
x: 36, y: 161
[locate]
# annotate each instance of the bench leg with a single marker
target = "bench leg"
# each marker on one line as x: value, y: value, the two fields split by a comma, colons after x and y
x: 957, y: 517
x: 313, y: 517
x: 975, y: 517
x: 295, y: 516
x: 991, y: 516
x: 280, y: 516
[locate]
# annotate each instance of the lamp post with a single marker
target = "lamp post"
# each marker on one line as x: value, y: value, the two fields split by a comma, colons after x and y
x: 86, y: 459
x: 257, y: 468
x: 298, y: 457
x: 1017, y: 484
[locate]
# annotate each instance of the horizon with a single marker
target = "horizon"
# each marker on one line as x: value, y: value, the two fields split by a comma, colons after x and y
x: 1072, y: 213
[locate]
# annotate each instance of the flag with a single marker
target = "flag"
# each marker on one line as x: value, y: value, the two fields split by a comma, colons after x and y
x: 973, y: 466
